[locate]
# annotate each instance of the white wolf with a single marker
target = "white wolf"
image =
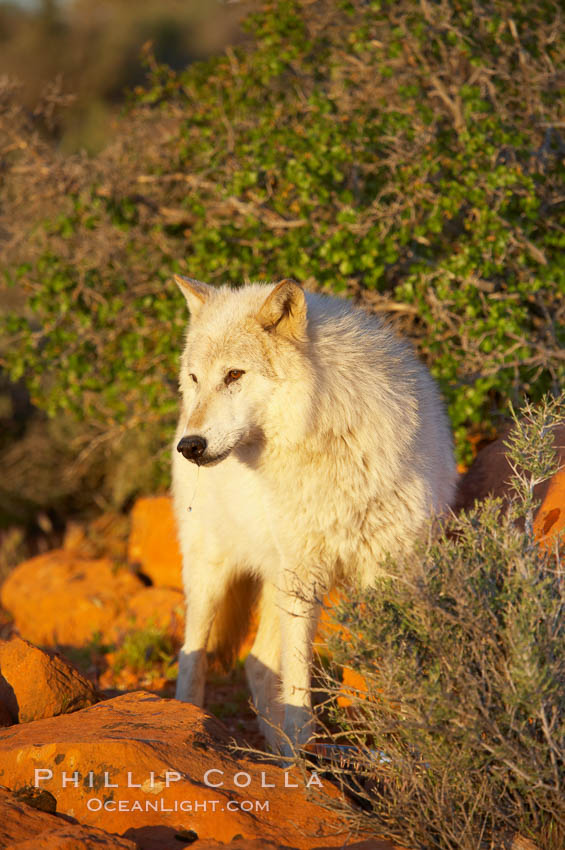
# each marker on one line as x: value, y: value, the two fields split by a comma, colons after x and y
x: 319, y: 444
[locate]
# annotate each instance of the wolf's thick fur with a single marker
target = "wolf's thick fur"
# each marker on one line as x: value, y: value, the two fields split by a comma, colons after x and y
x: 320, y: 446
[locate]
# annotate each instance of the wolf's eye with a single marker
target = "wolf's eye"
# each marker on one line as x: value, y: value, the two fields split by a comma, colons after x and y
x: 233, y: 375
x: 194, y: 378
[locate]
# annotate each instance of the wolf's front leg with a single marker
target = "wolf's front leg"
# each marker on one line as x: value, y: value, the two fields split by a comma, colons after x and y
x: 202, y: 599
x: 262, y: 667
x: 300, y: 611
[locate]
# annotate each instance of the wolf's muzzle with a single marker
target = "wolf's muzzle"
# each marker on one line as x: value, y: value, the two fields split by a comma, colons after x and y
x: 192, y: 448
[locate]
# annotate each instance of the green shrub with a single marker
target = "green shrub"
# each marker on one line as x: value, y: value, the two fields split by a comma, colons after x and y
x: 406, y: 154
x: 144, y: 650
x: 463, y: 654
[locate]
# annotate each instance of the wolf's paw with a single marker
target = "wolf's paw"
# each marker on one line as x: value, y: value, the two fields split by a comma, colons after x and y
x: 298, y: 728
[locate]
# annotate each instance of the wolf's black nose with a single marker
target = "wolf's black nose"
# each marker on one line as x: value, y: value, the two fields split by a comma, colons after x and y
x: 192, y: 448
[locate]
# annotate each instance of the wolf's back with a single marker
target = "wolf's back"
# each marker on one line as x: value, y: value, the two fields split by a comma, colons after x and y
x: 378, y: 393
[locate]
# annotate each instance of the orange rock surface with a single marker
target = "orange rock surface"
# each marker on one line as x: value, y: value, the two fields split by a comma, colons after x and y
x: 34, y: 684
x: 23, y: 827
x: 161, y: 607
x: 550, y: 518
x: 59, y: 599
x: 261, y: 844
x: 153, y: 541
x: 490, y: 475
x: 138, y: 763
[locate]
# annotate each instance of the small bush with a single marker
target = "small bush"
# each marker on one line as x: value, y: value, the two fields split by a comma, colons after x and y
x: 463, y: 654
x: 144, y: 651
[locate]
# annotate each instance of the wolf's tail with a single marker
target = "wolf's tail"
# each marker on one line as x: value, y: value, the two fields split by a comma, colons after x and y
x: 233, y: 619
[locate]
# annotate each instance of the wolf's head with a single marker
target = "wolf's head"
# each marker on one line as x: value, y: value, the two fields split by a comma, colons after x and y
x: 243, y: 355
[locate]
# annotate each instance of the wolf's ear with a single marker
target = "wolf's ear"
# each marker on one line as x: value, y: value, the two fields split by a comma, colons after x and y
x: 284, y: 310
x: 195, y: 292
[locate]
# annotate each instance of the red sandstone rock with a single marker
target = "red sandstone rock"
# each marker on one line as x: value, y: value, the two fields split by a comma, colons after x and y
x: 6, y: 718
x: 161, y: 607
x: 35, y: 684
x: 240, y: 844
x: 153, y: 541
x: 163, y: 750
x: 490, y: 475
x: 59, y: 599
x: 23, y: 827
x: 550, y: 518
x: 261, y: 844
